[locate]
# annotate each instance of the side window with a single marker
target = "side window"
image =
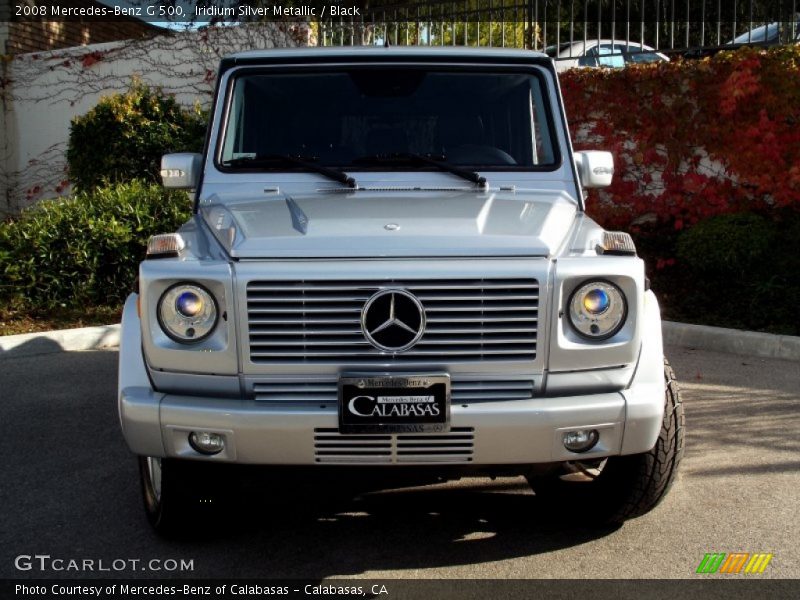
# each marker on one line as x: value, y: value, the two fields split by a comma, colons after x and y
x: 234, y: 146
x: 635, y: 55
x: 611, y: 56
x: 589, y: 59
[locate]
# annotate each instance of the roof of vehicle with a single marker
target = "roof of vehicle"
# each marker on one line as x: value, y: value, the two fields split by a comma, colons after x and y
x: 593, y: 42
x: 415, y: 52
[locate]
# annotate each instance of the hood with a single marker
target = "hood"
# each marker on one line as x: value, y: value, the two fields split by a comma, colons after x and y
x: 388, y: 223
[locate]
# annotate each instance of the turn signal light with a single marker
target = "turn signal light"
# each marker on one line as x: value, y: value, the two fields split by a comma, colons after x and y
x: 165, y: 245
x: 618, y: 243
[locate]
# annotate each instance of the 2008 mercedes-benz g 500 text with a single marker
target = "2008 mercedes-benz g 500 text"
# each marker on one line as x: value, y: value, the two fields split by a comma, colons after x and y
x: 389, y: 265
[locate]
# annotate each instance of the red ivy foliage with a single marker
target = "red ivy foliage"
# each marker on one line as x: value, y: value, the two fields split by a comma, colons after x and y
x: 87, y: 60
x: 692, y: 139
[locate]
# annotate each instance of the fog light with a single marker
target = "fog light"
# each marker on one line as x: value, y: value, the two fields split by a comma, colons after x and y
x: 581, y: 440
x: 206, y: 442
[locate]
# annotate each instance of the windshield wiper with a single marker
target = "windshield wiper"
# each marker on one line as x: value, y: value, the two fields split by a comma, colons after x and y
x: 262, y: 160
x: 426, y: 159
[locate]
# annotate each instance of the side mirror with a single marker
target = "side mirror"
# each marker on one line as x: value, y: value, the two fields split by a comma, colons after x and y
x: 181, y: 170
x: 595, y: 168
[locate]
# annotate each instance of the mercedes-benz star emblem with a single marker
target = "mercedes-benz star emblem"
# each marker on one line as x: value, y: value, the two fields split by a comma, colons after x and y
x: 393, y: 320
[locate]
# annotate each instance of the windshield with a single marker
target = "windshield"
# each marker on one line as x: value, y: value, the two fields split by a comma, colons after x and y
x: 553, y: 51
x: 343, y: 119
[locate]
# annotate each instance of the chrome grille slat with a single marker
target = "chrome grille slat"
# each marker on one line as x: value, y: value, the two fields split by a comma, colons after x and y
x: 434, y: 445
x: 346, y: 451
x: 331, y: 321
x: 485, y: 330
x: 480, y: 340
x: 363, y: 342
x: 257, y: 330
x: 304, y: 310
x: 254, y: 299
x: 289, y: 321
x: 292, y: 387
x: 309, y: 322
x: 462, y: 434
x: 351, y: 444
x: 389, y: 358
x: 490, y: 319
x: 358, y: 285
x: 480, y: 308
x: 286, y: 343
x: 491, y: 397
x: 287, y: 398
x: 257, y: 297
x: 448, y: 452
x: 260, y: 331
x: 511, y: 384
x: 472, y: 298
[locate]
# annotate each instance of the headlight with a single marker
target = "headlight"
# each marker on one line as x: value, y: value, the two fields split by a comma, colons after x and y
x: 187, y: 313
x: 597, y: 309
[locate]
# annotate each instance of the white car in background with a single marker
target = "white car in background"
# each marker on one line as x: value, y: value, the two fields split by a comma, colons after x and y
x: 612, y: 54
x: 774, y: 33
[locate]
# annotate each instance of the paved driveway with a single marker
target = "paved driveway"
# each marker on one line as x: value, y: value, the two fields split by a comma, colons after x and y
x: 69, y: 489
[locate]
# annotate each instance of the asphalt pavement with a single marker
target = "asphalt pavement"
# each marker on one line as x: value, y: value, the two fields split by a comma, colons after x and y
x: 70, y: 490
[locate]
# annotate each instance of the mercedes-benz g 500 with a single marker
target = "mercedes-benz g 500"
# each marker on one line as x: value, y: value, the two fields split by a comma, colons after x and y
x: 389, y: 265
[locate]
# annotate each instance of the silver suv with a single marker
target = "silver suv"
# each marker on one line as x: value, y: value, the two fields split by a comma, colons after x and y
x: 389, y: 265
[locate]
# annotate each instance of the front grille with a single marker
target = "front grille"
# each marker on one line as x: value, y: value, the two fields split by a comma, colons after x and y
x: 325, y: 392
x: 319, y: 322
x: 455, y: 446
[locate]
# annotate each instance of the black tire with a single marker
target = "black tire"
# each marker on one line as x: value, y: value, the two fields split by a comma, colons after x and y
x: 624, y: 487
x: 188, y: 494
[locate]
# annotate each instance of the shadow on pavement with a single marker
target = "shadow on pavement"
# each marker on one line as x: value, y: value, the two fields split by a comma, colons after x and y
x: 71, y: 491
x: 70, y: 486
x: 319, y: 533
x: 30, y: 348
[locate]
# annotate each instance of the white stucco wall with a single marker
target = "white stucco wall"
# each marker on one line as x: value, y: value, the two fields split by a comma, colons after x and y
x: 42, y: 92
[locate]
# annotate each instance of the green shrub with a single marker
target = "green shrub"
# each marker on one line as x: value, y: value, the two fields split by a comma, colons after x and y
x: 124, y: 136
x: 734, y: 271
x: 84, y: 250
x: 727, y: 245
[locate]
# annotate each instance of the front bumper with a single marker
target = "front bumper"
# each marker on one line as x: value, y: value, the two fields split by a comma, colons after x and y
x: 516, y: 432
x: 491, y: 433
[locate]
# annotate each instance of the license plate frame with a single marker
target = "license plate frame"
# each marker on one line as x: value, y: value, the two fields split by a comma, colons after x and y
x: 394, y: 403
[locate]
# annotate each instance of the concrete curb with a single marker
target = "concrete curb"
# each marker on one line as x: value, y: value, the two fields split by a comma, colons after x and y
x: 732, y: 341
x: 62, y: 340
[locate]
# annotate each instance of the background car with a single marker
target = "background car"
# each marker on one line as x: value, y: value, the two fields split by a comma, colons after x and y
x: 770, y: 34
x: 613, y: 54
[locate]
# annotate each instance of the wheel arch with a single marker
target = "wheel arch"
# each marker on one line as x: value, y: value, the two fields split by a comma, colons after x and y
x: 644, y: 398
x: 137, y: 402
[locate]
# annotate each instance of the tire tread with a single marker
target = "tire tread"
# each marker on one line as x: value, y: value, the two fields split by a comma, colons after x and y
x: 658, y: 468
x: 628, y: 486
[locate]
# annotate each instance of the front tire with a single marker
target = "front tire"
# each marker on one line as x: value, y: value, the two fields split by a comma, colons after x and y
x: 180, y: 494
x: 622, y: 487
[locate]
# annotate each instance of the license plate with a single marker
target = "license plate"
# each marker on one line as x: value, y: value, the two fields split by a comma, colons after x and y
x: 370, y: 404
